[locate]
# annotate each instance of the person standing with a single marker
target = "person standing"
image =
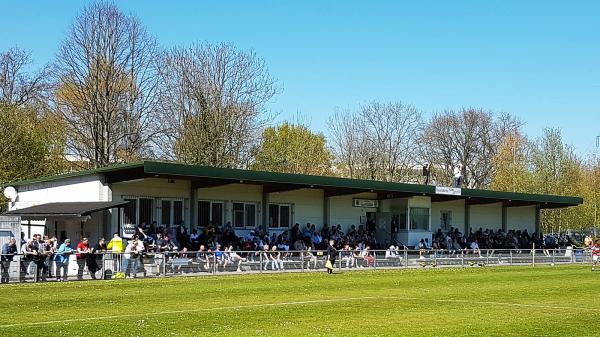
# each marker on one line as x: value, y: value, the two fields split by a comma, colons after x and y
x: 426, y: 173
x: 95, y: 255
x: 9, y: 250
x: 457, y: 177
x: 62, y: 260
x: 595, y: 254
x: 83, y: 249
x: 331, y: 255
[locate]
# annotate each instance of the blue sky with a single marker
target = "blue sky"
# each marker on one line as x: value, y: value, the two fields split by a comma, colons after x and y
x: 539, y: 60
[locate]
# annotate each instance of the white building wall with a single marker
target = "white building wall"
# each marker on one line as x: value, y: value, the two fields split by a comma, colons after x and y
x: 488, y: 216
x: 342, y: 212
x: 520, y: 218
x: 457, y: 207
x: 76, y: 189
x: 307, y: 205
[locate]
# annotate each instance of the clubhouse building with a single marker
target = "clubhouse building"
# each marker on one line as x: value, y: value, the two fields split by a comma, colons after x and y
x: 96, y: 203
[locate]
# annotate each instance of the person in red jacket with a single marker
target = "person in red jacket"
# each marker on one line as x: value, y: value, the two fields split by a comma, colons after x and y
x: 83, y: 248
x: 595, y: 254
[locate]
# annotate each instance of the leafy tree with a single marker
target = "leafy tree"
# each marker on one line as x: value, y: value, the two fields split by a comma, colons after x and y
x: 293, y: 149
x: 32, y: 143
x: 512, y: 163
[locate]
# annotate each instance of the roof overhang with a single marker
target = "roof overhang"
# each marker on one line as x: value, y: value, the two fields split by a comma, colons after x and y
x: 205, y: 176
x: 65, y: 209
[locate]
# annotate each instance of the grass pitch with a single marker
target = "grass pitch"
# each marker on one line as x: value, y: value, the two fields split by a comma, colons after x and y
x: 501, y: 301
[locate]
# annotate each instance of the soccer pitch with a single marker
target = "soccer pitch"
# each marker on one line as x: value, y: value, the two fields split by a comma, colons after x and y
x: 501, y: 301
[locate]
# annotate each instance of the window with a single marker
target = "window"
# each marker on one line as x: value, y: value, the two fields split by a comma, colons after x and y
x: 165, y: 210
x: 419, y: 218
x: 146, y: 214
x: 244, y: 214
x: 210, y: 212
x: 130, y: 212
x: 280, y: 216
x: 445, y: 220
x: 177, y: 211
x: 171, y: 211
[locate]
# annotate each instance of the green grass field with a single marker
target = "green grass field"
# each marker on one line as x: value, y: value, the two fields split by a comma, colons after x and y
x: 501, y: 301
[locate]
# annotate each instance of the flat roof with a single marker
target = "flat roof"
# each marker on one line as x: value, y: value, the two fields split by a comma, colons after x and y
x: 205, y: 176
x: 66, y: 209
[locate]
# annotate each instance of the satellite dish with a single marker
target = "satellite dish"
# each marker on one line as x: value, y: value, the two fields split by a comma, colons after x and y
x: 10, y: 193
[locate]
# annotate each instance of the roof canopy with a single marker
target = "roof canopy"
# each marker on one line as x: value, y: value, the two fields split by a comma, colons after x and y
x: 204, y: 176
x: 65, y: 209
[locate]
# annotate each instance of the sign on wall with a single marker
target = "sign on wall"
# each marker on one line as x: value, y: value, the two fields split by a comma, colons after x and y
x: 448, y: 190
x: 366, y: 203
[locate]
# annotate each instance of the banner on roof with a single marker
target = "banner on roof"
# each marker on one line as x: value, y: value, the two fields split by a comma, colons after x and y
x: 448, y: 190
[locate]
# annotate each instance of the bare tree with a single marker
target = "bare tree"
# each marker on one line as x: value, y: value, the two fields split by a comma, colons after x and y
x: 469, y: 139
x: 378, y: 141
x: 213, y: 103
x: 107, y: 86
x: 18, y: 86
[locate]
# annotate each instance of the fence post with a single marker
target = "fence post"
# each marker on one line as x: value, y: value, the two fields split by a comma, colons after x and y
x: 487, y: 256
x: 405, y: 257
x: 214, y: 264
x: 260, y: 267
x: 511, y: 257
x: 302, y: 261
x: 462, y: 258
x: 533, y: 255
x: 340, y: 261
x: 553, y: 256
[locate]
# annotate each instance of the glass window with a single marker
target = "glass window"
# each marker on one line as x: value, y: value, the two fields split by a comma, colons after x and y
x: 238, y: 214
x: 146, y: 211
x: 419, y: 218
x: 177, y: 212
x: 203, y: 213
x: 280, y: 216
x: 273, y: 216
x: 217, y: 213
x: 285, y: 216
x: 130, y: 212
x: 165, y: 210
x: 250, y: 215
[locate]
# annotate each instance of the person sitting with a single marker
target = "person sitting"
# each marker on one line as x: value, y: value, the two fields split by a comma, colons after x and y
x: 276, y: 261
x: 475, y: 248
x: 347, y: 256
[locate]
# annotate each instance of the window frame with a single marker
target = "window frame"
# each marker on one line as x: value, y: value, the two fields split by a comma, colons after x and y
x: 210, y: 212
x: 244, y: 215
x: 280, y: 215
x: 428, y: 219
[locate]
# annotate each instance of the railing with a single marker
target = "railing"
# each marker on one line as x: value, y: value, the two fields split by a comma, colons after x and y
x: 20, y: 268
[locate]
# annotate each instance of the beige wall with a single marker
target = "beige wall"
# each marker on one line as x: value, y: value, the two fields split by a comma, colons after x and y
x: 486, y: 216
x: 457, y: 207
x: 156, y: 188
x: 308, y: 204
x: 342, y: 212
x: 520, y: 218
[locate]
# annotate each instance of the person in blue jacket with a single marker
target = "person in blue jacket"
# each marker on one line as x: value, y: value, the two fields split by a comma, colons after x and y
x: 62, y: 260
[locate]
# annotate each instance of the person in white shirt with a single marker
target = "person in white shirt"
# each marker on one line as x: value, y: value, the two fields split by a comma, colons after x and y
x: 276, y: 261
x: 347, y: 256
x: 475, y: 248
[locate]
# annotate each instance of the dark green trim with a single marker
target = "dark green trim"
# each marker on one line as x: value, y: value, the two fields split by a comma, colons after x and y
x: 112, y: 168
x: 331, y: 184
